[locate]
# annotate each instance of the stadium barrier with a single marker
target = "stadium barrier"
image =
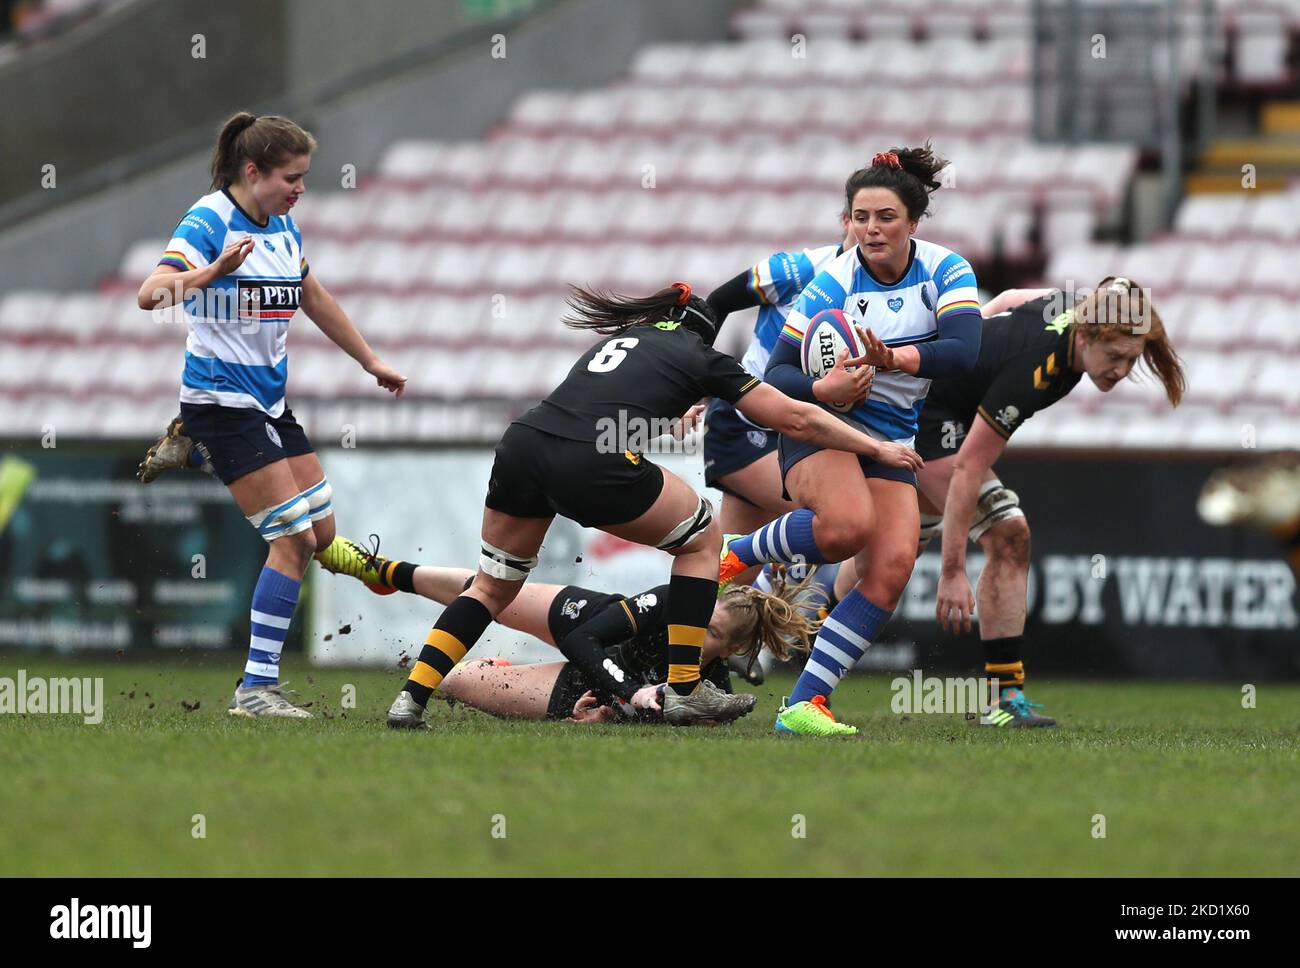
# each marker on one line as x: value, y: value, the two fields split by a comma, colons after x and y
x: 1124, y: 580
x: 95, y: 561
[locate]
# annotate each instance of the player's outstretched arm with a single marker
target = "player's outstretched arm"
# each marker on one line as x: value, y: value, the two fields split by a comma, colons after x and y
x: 954, y: 601
x: 769, y: 406
x: 733, y: 296
x: 324, y: 310
x: 1009, y: 299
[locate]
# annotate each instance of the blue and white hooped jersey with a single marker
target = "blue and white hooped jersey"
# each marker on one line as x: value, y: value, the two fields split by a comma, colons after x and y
x: 777, y: 282
x: 937, y: 282
x: 235, y: 352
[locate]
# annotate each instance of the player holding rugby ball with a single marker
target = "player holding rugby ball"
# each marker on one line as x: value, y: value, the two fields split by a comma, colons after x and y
x: 918, y: 304
x: 657, y: 361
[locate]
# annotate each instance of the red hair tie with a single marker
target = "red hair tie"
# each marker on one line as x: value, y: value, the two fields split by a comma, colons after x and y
x: 889, y: 158
x: 685, y: 288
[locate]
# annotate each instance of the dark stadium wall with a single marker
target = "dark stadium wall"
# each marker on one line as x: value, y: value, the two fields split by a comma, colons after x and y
x: 131, y: 78
x: 348, y: 79
x: 1124, y: 579
x: 125, y: 569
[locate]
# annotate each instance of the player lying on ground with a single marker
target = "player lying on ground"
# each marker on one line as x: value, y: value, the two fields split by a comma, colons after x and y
x: 919, y: 305
x: 615, y: 645
x: 567, y: 456
x: 1263, y: 494
x: 236, y: 262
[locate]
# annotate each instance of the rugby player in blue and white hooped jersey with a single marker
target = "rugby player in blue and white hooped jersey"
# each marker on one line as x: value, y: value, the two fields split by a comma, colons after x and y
x: 740, y: 456
x: 236, y: 260
x: 918, y: 304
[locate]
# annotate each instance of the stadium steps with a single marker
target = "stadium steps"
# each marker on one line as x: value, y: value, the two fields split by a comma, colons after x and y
x: 1281, y: 118
x: 1203, y: 183
x: 1274, y: 152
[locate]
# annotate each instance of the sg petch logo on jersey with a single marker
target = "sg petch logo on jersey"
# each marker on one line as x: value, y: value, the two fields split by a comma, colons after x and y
x: 268, y: 300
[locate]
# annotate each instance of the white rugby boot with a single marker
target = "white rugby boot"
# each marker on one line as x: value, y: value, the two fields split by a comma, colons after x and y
x: 706, y: 704
x: 265, y: 700
x: 406, y: 713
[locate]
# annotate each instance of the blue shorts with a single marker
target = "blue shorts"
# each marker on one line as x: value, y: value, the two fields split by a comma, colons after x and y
x: 792, y: 451
x: 240, y: 440
x: 731, y: 443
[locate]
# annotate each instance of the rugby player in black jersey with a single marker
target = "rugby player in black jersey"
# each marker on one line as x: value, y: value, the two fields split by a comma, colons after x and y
x: 615, y: 645
x: 576, y: 454
x: 1030, y: 356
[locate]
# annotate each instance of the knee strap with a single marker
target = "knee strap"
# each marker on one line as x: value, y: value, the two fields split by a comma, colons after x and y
x: 503, y: 565
x: 931, y: 525
x: 319, y: 499
x: 690, y: 529
x: 996, y: 503
x: 291, y: 517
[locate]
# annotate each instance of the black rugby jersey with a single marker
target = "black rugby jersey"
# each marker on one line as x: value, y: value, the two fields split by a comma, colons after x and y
x: 1026, y: 363
x: 644, y: 653
x: 642, y: 374
x: 633, y: 631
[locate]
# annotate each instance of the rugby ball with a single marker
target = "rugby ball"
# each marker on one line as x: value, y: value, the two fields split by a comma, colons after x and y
x: 827, y: 336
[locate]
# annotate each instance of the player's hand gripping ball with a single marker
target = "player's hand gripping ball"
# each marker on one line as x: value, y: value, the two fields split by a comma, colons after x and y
x: 830, y: 334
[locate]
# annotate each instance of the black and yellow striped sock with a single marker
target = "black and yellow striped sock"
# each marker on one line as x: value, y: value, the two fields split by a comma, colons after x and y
x: 690, y: 609
x: 459, y: 627
x: 1004, y: 660
x: 398, y: 574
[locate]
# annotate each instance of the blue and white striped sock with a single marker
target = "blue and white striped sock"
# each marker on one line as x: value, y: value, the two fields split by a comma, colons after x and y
x: 844, y: 637
x: 199, y: 460
x: 274, y: 600
x: 788, y: 539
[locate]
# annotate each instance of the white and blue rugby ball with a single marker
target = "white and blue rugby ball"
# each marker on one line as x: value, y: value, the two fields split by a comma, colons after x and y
x: 827, y: 335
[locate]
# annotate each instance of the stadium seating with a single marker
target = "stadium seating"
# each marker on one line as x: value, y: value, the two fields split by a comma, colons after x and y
x: 454, y: 257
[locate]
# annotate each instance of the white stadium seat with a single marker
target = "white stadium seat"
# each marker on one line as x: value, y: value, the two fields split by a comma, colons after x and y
x: 703, y: 160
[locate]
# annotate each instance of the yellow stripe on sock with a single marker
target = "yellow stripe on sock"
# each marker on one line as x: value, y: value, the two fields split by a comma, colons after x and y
x: 426, y: 675
x: 1007, y: 673
x: 683, y: 673
x: 691, y: 635
x: 447, y: 644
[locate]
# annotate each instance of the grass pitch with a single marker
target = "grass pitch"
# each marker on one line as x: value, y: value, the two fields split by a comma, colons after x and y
x: 1189, y: 783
